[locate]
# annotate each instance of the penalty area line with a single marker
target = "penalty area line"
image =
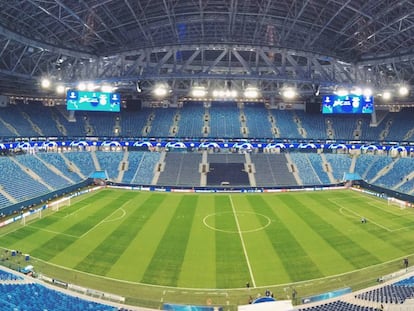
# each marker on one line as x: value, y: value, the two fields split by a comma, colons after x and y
x: 242, y: 241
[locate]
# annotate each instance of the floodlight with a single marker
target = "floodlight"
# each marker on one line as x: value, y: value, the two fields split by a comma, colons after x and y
x: 341, y: 92
x: 403, y: 91
x: 367, y: 92
x: 251, y: 93
x: 289, y: 93
x: 81, y: 86
x: 106, y: 88
x: 91, y: 86
x: 60, y: 89
x: 160, y: 91
x: 45, y: 83
x: 386, y: 95
x: 198, y: 91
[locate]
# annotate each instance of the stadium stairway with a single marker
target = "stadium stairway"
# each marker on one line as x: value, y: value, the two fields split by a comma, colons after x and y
x: 159, y: 168
x: 34, y: 126
x: 383, y: 171
x: 73, y: 167
x: 7, y: 195
x: 123, y: 166
x: 328, y: 169
x: 95, y: 161
x: 55, y: 170
x: 203, y: 169
x: 31, y: 173
x: 293, y: 169
x: 250, y: 169
x: 353, y: 163
x: 9, y: 127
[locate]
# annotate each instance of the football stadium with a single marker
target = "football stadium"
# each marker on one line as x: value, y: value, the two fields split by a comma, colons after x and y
x: 206, y: 155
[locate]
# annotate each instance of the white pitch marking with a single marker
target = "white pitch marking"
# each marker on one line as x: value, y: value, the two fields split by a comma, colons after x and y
x: 242, y: 241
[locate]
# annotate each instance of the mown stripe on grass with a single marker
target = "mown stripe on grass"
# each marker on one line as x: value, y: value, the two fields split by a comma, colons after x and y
x: 231, y: 265
x: 386, y: 243
x: 103, y: 256
x: 60, y: 242
x: 165, y: 266
x: 358, y: 256
x: 294, y: 258
x: 199, y: 266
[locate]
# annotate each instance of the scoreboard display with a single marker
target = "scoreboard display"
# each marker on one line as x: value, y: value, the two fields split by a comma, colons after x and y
x: 351, y: 104
x: 93, y: 101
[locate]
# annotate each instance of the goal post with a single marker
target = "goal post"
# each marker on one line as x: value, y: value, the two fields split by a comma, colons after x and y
x: 397, y: 202
x: 57, y: 205
x: 29, y: 216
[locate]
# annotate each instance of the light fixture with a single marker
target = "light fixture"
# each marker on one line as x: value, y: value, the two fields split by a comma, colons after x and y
x: 91, y: 86
x: 60, y: 89
x: 45, y: 83
x: 106, y: 88
x: 251, y: 92
x: 341, y: 92
x: 160, y: 91
x: 386, y: 95
x: 403, y: 90
x: 289, y: 93
x: 81, y: 86
x: 198, y: 91
x: 367, y: 92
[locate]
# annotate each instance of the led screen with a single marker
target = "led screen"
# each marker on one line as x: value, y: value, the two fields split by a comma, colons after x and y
x: 93, y: 101
x: 332, y: 104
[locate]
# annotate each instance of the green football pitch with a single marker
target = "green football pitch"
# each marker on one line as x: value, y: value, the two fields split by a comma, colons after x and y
x: 205, y: 242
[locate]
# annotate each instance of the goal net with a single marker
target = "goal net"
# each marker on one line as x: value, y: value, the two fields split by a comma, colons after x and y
x: 30, y: 216
x: 57, y: 205
x: 396, y: 202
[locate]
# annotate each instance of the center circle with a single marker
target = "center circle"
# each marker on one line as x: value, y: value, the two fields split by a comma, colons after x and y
x: 238, y: 215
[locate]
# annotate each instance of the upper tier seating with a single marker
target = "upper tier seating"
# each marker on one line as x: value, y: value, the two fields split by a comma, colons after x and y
x: 224, y: 120
x: 257, y: 120
x: 191, y: 120
x: 162, y: 122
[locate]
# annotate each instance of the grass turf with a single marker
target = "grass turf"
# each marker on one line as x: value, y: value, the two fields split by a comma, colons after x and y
x: 217, y: 241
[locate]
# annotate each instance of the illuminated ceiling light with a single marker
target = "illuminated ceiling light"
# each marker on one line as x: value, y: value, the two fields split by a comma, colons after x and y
x: 341, y: 92
x: 160, y: 91
x: 357, y: 91
x: 386, y: 95
x: 81, y: 86
x: 225, y: 93
x: 45, y: 83
x: 60, y: 89
x: 91, y: 86
x: 367, y: 92
x: 403, y: 91
x: 251, y: 93
x: 232, y: 94
x: 289, y: 93
x: 106, y: 88
x: 198, y: 91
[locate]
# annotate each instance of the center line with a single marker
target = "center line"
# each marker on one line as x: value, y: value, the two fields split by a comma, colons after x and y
x: 242, y: 241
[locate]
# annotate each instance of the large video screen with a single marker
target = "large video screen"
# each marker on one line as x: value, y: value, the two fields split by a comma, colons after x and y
x: 93, y: 101
x: 332, y: 104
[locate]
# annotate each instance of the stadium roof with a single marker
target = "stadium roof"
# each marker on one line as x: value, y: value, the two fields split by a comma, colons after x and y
x: 306, y: 43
